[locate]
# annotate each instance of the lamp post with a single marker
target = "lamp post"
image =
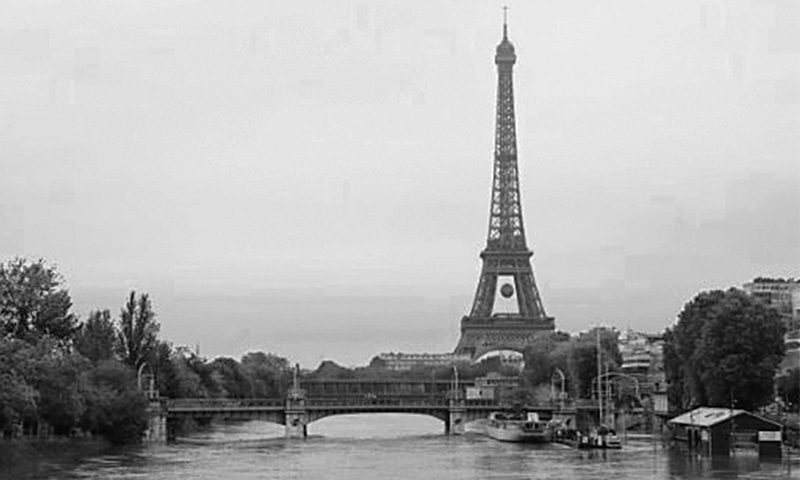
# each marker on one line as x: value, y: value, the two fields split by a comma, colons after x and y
x: 150, y: 392
x: 607, y: 376
x: 455, y: 383
x: 552, y: 386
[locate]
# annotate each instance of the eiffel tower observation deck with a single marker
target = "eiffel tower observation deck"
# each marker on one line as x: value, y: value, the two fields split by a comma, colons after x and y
x: 507, y: 312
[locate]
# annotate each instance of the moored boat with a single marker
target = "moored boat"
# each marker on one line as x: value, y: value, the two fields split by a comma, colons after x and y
x: 518, y: 427
x: 602, y: 437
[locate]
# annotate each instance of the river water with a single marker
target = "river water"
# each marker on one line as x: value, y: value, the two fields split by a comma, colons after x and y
x: 389, y: 447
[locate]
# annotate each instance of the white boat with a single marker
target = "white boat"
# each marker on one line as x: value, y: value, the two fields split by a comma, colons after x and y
x: 602, y: 437
x: 517, y: 427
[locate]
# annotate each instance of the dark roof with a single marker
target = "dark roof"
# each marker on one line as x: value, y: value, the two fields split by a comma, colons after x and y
x: 710, y: 416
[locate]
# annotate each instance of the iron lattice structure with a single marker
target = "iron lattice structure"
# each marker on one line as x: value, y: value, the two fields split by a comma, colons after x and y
x: 506, y: 255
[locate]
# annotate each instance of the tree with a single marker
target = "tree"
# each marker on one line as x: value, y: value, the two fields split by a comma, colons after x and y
x: 18, y: 398
x: 138, y: 330
x: 232, y: 378
x: 115, y: 408
x: 544, y: 355
x: 724, y: 351
x: 96, y: 338
x: 270, y: 374
x: 581, y: 359
x: 31, y: 302
x: 789, y: 388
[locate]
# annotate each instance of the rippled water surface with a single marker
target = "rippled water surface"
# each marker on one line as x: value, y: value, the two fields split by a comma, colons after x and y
x: 399, y: 447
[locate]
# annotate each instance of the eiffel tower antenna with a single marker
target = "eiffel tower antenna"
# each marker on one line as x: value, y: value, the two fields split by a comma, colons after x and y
x: 505, y: 22
x: 507, y: 312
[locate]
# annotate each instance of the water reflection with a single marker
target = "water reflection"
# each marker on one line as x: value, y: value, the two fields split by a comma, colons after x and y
x: 396, y: 447
x: 683, y: 463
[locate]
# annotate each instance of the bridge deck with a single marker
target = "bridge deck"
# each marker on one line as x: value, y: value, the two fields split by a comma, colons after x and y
x: 204, y: 406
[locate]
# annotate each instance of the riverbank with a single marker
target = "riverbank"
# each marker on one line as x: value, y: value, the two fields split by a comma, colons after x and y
x: 27, y: 459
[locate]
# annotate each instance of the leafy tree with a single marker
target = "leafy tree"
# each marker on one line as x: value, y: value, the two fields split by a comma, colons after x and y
x: 31, y: 302
x: 138, y: 330
x: 232, y: 378
x: 581, y: 359
x: 18, y: 398
x: 789, y: 388
x: 724, y: 351
x: 678, y: 394
x: 96, y: 339
x: 114, y: 406
x: 270, y: 374
x: 161, y: 361
x: 56, y: 375
x: 546, y: 353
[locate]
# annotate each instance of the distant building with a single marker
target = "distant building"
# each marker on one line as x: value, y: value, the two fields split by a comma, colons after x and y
x: 407, y: 361
x: 782, y: 294
x: 643, y: 358
x: 492, y: 387
x: 792, y: 357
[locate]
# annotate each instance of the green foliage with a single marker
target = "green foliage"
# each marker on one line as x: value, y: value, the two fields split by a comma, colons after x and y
x: 31, y: 303
x: 138, y: 330
x: 546, y: 353
x: 231, y: 378
x: 678, y: 394
x: 576, y: 357
x: 96, y: 338
x: 57, y: 378
x: 114, y: 406
x: 789, y: 388
x: 45, y: 382
x: 18, y: 398
x: 724, y: 350
x: 270, y: 374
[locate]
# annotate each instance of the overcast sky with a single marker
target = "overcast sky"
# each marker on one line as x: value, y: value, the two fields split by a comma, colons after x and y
x: 312, y: 178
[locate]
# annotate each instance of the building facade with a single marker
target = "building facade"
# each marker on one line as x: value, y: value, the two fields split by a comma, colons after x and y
x: 779, y: 293
x: 407, y: 361
x: 643, y: 358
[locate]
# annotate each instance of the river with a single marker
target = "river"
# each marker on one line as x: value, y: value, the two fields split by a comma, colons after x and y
x: 390, y: 447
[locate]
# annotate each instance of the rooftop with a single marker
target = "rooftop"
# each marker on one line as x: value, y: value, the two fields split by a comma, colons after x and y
x: 709, y: 416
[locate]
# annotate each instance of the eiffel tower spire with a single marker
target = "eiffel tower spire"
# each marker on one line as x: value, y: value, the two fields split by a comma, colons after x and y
x: 507, y: 311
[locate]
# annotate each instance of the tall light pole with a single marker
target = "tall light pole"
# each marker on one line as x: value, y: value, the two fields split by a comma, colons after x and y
x: 150, y: 380
x: 599, y: 375
x: 455, y: 383
x: 553, y: 388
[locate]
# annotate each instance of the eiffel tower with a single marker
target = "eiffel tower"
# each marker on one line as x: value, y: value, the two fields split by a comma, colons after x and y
x: 507, y: 311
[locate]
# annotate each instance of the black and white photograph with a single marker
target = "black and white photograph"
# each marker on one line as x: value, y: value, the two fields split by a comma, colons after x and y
x: 399, y: 239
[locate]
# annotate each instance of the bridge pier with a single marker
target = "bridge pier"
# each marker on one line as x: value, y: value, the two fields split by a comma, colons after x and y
x: 456, y: 417
x: 296, y: 417
x: 296, y: 424
x: 156, y: 423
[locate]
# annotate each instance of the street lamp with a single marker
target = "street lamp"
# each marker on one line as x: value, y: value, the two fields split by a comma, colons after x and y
x: 552, y: 386
x: 150, y: 380
x: 607, y: 376
x: 455, y: 383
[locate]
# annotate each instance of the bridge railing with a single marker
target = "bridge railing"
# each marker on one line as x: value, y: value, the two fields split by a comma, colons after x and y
x: 377, y: 401
x: 223, y: 403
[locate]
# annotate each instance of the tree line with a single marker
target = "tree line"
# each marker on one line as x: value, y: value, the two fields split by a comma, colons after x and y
x: 724, y: 350
x: 65, y: 376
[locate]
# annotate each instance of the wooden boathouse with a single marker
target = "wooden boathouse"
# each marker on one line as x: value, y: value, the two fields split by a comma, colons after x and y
x: 719, y: 430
